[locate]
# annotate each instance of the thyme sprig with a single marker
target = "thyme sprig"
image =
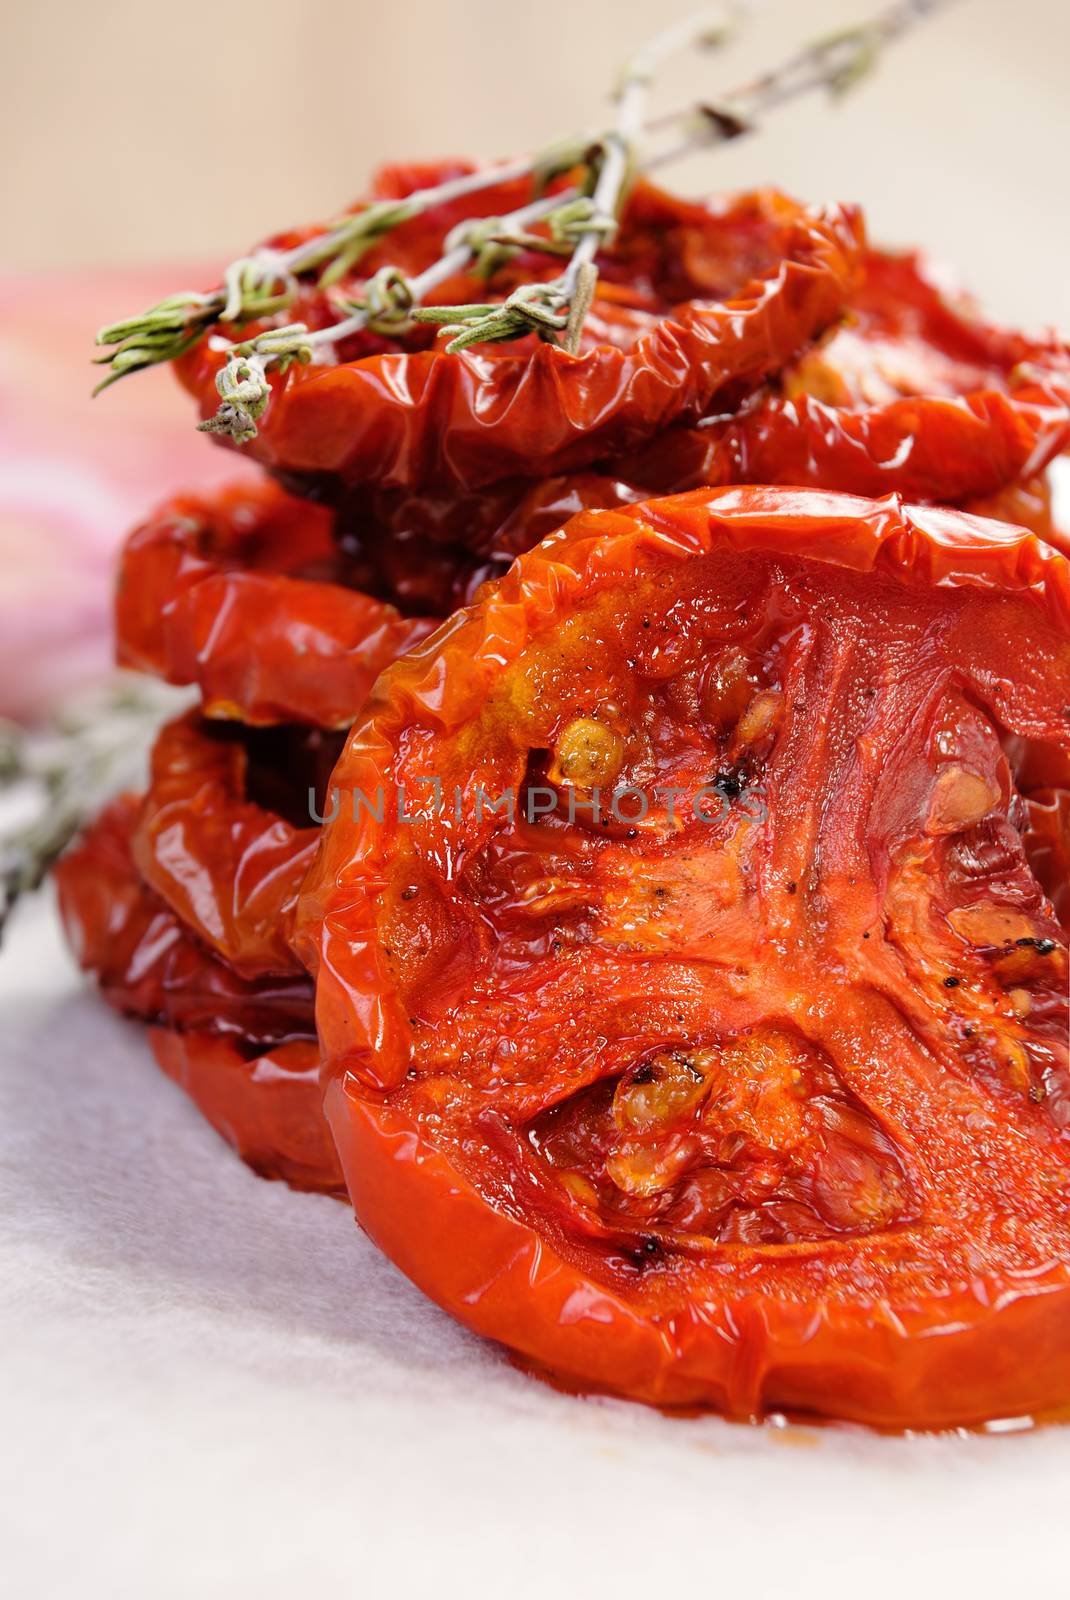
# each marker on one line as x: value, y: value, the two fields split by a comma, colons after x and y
x: 267, y: 281
x: 834, y: 64
x: 532, y: 308
x: 546, y: 309
x: 620, y: 151
x: 53, y: 779
x: 389, y: 303
x: 578, y: 221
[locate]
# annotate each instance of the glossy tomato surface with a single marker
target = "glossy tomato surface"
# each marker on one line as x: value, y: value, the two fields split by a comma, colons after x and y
x: 244, y: 1050
x: 148, y: 963
x: 247, y: 594
x: 914, y: 393
x: 226, y: 831
x: 696, y: 303
x: 266, y: 1103
x: 692, y: 1006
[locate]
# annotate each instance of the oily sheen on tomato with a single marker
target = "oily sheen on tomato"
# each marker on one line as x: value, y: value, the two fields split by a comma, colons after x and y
x: 243, y: 1049
x: 265, y: 1102
x: 247, y: 594
x: 693, y: 1008
x: 226, y: 830
x: 697, y: 303
x: 148, y: 963
x: 915, y: 393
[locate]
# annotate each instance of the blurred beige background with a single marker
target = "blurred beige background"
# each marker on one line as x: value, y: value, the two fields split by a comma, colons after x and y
x: 135, y: 131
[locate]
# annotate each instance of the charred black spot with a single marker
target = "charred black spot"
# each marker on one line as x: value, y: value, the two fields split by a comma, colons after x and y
x: 647, y: 1250
x: 729, y: 785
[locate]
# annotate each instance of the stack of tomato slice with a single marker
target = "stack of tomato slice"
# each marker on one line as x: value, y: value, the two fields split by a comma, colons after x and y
x: 678, y: 986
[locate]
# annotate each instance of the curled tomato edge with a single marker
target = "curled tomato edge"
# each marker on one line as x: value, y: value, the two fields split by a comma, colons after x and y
x: 745, y: 1356
x: 815, y: 282
x: 264, y: 1103
x: 262, y: 647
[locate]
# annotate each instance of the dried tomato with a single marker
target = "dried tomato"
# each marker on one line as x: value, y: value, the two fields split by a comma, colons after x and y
x: 1027, y: 505
x: 247, y: 595
x: 148, y: 964
x: 697, y: 303
x: 1047, y: 840
x: 915, y: 393
x: 411, y: 545
x: 266, y: 1103
x: 226, y: 832
x: 244, y: 1051
x: 431, y: 552
x: 754, y: 1094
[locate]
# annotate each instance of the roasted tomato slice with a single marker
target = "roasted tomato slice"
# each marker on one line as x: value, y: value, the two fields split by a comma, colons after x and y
x: 226, y: 832
x: 697, y: 303
x: 265, y: 1103
x: 694, y: 1020
x: 244, y: 1050
x: 915, y: 393
x: 431, y: 552
x: 1031, y: 505
x: 148, y: 964
x: 247, y: 595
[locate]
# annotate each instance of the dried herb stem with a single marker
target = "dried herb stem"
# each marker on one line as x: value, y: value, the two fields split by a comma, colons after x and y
x: 265, y: 283
x: 54, y: 779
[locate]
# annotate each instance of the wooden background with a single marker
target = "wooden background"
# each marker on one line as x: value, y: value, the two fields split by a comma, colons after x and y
x: 139, y: 131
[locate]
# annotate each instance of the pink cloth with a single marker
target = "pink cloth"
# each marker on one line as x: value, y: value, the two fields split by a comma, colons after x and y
x: 76, y: 474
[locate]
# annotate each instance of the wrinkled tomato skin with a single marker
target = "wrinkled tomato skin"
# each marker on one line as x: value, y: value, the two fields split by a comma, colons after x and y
x: 696, y: 303
x: 432, y: 553
x: 244, y: 1051
x: 478, y: 979
x: 266, y: 1104
x: 917, y: 394
x: 145, y: 960
x: 745, y: 1358
x: 914, y: 394
x: 1026, y: 505
x: 228, y: 866
x: 934, y: 450
x: 247, y: 595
